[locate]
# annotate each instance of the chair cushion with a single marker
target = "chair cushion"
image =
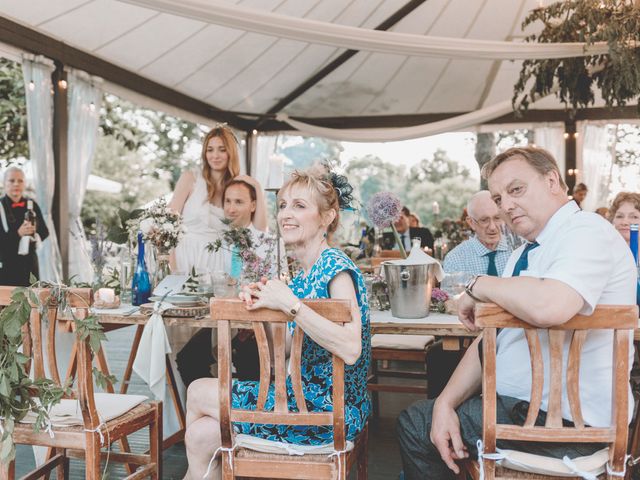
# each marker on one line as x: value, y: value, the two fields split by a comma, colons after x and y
x: 281, y: 448
x: 401, y: 342
x: 109, y: 406
x: 539, y: 464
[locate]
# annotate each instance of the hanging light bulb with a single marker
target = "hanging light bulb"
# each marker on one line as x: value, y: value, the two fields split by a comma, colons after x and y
x: 92, y: 107
x: 32, y: 86
x: 62, y: 84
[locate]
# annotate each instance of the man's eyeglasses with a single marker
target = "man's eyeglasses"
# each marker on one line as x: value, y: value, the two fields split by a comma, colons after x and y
x: 486, y: 221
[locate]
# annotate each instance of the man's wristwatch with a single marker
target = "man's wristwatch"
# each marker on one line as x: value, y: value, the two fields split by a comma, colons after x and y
x: 468, y: 288
x: 293, y: 311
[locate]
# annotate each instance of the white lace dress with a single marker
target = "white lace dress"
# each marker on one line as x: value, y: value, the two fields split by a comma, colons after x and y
x: 203, y: 224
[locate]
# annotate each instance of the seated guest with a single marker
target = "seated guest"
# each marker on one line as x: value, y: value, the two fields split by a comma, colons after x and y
x: 308, y: 214
x: 574, y: 261
x: 414, y: 220
x: 625, y: 211
x: 580, y: 193
x: 196, y: 357
x: 603, y: 212
x: 406, y: 233
x: 486, y: 252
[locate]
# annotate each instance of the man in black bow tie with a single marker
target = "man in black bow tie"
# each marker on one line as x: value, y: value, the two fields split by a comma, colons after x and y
x: 15, y: 269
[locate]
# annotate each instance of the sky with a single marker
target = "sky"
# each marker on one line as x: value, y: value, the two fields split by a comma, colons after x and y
x: 459, y: 145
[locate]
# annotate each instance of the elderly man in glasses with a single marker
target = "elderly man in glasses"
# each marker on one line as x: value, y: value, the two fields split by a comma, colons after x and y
x: 487, y: 252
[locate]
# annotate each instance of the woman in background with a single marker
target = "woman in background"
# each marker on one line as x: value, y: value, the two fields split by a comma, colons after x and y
x: 624, y: 212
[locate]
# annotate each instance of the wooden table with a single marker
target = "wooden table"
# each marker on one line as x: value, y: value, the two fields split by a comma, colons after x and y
x: 452, y: 331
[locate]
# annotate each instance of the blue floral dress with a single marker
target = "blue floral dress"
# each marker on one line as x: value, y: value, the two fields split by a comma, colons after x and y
x: 317, y: 367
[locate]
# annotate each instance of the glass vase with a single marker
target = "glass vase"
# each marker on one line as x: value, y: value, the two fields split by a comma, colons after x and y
x: 161, y: 266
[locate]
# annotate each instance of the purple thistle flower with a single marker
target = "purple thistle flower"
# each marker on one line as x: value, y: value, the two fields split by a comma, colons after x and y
x: 384, y: 209
x: 439, y: 295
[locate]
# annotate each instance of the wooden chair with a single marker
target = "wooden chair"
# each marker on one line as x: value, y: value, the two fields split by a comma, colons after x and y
x: 85, y: 440
x: 243, y: 462
x: 398, y: 348
x: 622, y: 320
x: 390, y: 254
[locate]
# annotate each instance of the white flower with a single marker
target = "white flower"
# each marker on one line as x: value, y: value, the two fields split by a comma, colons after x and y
x: 146, y: 226
x: 167, y: 227
x: 167, y: 244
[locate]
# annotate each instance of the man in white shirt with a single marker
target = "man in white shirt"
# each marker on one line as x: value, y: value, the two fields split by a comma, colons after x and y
x: 573, y: 261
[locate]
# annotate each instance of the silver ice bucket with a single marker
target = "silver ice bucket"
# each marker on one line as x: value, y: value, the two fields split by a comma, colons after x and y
x: 409, y: 289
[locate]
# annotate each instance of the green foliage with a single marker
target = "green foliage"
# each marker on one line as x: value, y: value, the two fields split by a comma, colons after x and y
x: 305, y: 151
x: 13, y: 113
x: 18, y: 392
x: 616, y: 75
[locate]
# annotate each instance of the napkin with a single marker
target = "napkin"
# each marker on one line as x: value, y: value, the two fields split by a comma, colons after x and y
x: 150, y: 362
x: 419, y: 257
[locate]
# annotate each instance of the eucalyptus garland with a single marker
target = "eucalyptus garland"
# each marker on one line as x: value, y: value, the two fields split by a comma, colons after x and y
x: 616, y: 75
x: 19, y: 394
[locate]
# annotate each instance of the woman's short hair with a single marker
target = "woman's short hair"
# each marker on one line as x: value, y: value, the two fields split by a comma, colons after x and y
x: 318, y: 183
x: 538, y: 158
x: 624, y: 197
x: 233, y: 167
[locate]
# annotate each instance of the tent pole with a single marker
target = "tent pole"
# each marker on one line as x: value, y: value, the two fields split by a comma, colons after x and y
x: 60, y: 207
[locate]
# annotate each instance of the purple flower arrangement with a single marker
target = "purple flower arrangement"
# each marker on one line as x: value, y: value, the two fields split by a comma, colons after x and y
x: 438, y: 299
x: 384, y: 208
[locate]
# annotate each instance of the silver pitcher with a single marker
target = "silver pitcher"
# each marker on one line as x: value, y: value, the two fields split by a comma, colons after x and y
x: 409, y: 289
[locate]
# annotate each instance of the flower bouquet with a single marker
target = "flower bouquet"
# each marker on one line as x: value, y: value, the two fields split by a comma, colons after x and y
x: 159, y: 225
x: 438, y: 300
x: 384, y: 208
x: 241, y: 243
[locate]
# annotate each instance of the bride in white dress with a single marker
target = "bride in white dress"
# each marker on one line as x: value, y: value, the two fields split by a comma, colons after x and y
x: 198, y: 197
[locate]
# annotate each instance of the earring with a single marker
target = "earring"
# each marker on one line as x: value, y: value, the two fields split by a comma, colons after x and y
x: 324, y: 235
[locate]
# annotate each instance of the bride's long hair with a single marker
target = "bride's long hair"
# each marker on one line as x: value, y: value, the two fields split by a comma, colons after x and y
x: 233, y: 166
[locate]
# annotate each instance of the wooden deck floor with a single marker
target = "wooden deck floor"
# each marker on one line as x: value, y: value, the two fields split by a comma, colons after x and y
x: 384, y: 457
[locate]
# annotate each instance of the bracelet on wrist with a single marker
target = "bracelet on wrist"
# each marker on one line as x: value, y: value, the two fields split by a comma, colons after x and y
x: 293, y: 311
x: 468, y: 288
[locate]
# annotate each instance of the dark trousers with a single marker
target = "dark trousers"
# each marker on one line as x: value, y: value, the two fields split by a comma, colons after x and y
x: 421, y: 460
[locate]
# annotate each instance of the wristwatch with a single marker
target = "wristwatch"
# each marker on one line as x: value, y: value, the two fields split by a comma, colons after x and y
x: 468, y: 288
x: 293, y: 311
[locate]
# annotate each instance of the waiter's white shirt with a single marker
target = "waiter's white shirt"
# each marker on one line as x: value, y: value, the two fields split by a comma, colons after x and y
x: 584, y: 251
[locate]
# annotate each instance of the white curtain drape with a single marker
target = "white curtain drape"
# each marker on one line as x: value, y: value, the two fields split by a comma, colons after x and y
x: 551, y: 137
x: 262, y: 151
x: 37, y: 72
x: 344, y: 36
x: 594, y: 161
x: 85, y: 98
x: 401, y: 133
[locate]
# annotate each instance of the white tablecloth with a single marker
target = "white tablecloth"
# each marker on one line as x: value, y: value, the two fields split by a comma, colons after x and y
x: 385, y: 316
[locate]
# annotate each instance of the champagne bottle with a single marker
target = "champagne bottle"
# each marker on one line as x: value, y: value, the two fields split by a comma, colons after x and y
x: 30, y: 215
x: 141, y: 284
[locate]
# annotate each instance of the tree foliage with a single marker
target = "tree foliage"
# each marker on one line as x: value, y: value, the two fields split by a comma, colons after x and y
x: 616, y: 75
x: 13, y: 114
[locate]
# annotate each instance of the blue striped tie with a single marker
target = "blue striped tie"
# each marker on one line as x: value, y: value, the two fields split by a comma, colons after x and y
x: 523, y: 261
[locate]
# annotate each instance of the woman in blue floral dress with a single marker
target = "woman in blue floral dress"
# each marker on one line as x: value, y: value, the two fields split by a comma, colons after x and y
x: 308, y: 213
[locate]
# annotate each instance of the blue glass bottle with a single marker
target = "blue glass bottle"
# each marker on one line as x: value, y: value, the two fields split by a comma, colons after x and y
x: 141, y: 284
x: 633, y: 244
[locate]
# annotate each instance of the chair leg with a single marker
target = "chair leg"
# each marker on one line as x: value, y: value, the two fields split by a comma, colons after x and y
x: 62, y: 470
x: 8, y: 471
x: 363, y: 457
x: 92, y: 457
x: 155, y: 442
x: 375, y: 398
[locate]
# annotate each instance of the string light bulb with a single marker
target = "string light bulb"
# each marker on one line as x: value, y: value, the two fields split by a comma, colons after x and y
x: 92, y: 107
x: 62, y: 84
x: 32, y: 86
x: 254, y: 131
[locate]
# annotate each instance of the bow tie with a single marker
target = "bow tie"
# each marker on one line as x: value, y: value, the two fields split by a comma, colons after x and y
x: 17, y: 204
